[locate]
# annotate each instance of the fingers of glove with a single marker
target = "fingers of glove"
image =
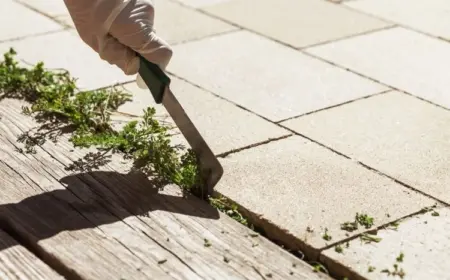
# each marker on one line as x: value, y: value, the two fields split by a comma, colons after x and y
x: 111, y: 50
x: 133, y: 27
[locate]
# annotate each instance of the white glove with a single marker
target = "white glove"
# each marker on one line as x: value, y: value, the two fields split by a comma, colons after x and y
x: 117, y: 29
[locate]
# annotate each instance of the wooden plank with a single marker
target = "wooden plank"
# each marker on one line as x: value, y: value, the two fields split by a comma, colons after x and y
x: 16, y: 262
x: 121, y: 220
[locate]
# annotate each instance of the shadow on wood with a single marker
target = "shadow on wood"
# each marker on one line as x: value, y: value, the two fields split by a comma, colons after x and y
x: 93, y: 199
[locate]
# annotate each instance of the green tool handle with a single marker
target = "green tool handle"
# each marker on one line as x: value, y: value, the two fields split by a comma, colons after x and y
x: 155, y: 79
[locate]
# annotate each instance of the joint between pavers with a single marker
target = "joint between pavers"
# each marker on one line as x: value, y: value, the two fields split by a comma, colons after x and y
x: 337, y: 105
x: 375, y: 30
x: 339, y: 269
x: 53, y: 18
x: 275, y: 234
x: 398, y: 24
x: 270, y: 140
x: 32, y: 36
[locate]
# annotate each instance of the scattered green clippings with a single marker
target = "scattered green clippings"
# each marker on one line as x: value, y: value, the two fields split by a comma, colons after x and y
x: 396, y: 272
x: 291, y: 273
x: 435, y: 214
x: 360, y: 219
x: 400, y: 257
x: 207, y: 243
x: 428, y: 209
x: 254, y: 234
x: 222, y: 204
x: 57, y: 106
x: 364, y: 220
x: 371, y: 269
x: 326, y: 236
x: 393, y: 225
x: 339, y: 249
x: 349, y: 226
x: 225, y: 259
x: 368, y: 238
x: 269, y: 275
x: 162, y: 261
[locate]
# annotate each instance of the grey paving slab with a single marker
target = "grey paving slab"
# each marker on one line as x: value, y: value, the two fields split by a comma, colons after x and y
x: 224, y: 126
x: 66, y: 50
x: 48, y: 7
x: 201, y: 3
x: 423, y: 240
x: 395, y: 133
x: 177, y: 24
x: 17, y: 21
x: 405, y: 59
x: 429, y: 16
x: 270, y: 79
x: 296, y: 184
x: 298, y: 23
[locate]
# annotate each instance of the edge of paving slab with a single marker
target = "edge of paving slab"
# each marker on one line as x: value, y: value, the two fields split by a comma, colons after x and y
x: 278, y: 236
x: 334, y: 269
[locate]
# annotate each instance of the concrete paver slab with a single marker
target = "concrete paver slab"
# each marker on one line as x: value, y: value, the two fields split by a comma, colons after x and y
x: 404, y: 59
x: 66, y: 50
x: 270, y: 79
x: 429, y: 16
x: 201, y: 3
x: 224, y: 126
x: 176, y: 24
x: 298, y: 23
x: 17, y: 21
x: 48, y: 7
x: 296, y: 184
x: 423, y: 240
x: 395, y: 133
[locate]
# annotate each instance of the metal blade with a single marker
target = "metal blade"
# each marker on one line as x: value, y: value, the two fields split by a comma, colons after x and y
x: 210, y: 166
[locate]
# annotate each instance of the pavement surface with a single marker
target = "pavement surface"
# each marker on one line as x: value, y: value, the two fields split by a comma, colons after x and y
x: 320, y: 110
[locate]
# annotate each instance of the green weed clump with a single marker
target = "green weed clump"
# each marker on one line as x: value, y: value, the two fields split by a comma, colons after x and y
x: 55, y: 102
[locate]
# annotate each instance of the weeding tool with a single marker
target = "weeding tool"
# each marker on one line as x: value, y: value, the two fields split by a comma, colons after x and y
x: 159, y: 85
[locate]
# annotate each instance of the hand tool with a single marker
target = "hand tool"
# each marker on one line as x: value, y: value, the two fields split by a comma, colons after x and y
x: 159, y: 85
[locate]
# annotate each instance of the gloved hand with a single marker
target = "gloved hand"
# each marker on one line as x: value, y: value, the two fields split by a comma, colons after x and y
x: 117, y: 29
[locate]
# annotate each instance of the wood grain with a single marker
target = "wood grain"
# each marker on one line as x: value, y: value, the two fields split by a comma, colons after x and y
x: 108, y: 224
x: 16, y: 262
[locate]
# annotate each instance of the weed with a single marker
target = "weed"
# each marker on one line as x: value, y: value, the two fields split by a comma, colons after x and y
x: 368, y: 238
x: 360, y: 219
x: 207, y: 243
x: 339, y: 249
x: 326, y: 236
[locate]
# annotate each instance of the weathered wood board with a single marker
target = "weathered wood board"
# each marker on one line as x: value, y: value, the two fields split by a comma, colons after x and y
x: 107, y: 224
x: 16, y: 262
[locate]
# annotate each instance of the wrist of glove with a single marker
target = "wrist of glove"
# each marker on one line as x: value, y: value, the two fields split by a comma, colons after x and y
x: 117, y: 29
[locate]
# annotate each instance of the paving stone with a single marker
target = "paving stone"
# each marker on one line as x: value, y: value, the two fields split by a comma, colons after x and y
x: 48, y: 7
x: 295, y: 184
x: 66, y: 20
x: 427, y: 16
x: 66, y: 50
x: 177, y: 24
x: 201, y: 3
x: 423, y: 240
x: 404, y: 59
x: 224, y: 126
x: 395, y: 133
x: 17, y: 21
x: 237, y: 66
x: 298, y: 23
